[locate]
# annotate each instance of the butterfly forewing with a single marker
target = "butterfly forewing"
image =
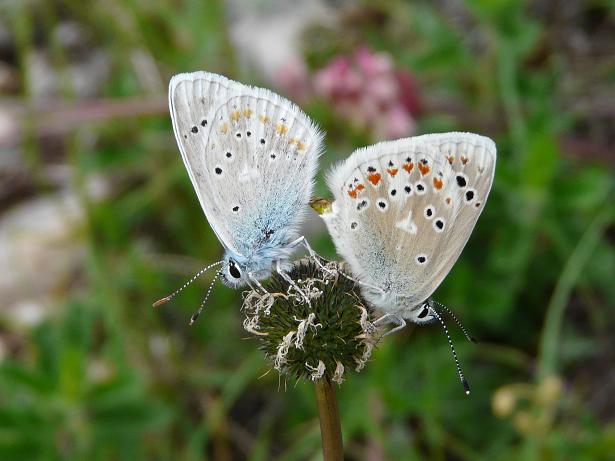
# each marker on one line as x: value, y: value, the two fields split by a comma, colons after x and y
x: 251, y: 156
x: 405, y: 209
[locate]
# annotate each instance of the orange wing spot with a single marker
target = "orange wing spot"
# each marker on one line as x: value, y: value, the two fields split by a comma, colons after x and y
x: 353, y: 193
x: 280, y: 128
x: 448, y: 200
x: 374, y: 178
x: 424, y: 169
x: 464, y: 159
x: 451, y: 159
x: 300, y: 145
x: 247, y: 113
x: 264, y: 119
x: 224, y: 128
x: 408, y: 167
x: 392, y: 171
x: 360, y: 187
x: 235, y: 115
x: 437, y: 183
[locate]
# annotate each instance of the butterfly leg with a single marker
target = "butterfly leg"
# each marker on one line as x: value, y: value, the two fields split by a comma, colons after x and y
x: 292, y: 283
x: 393, y: 318
x: 257, y: 283
x: 316, y: 257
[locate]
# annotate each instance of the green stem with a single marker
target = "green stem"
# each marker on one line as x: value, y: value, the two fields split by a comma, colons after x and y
x: 547, y: 362
x: 330, y: 426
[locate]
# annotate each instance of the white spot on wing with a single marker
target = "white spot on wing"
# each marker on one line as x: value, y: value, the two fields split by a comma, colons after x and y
x: 247, y: 174
x: 407, y: 224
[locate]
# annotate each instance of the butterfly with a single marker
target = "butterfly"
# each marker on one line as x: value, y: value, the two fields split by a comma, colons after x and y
x: 402, y: 214
x: 251, y: 156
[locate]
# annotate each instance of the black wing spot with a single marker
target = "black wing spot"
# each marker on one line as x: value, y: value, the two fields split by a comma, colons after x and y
x: 194, y: 129
x: 393, y: 192
x: 235, y: 208
x: 229, y: 155
x: 469, y: 195
x: 248, y: 133
x: 440, y: 224
x: 218, y: 170
x: 268, y: 233
x: 371, y: 169
x: 461, y: 181
x: 408, y: 189
x: 353, y: 225
x: 238, y: 135
x: 262, y: 140
x: 204, y: 123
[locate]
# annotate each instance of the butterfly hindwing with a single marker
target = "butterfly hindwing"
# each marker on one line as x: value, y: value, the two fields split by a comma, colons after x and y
x: 404, y: 210
x: 251, y: 156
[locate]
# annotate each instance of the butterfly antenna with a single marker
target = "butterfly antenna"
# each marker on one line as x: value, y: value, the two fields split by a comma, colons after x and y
x: 166, y: 299
x: 457, y: 321
x: 464, y: 381
x: 196, y: 315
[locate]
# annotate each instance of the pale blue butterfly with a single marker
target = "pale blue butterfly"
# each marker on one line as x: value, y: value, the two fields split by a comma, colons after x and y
x: 402, y: 214
x: 251, y: 156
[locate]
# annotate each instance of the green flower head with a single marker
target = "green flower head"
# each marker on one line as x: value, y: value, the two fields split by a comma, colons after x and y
x: 325, y: 338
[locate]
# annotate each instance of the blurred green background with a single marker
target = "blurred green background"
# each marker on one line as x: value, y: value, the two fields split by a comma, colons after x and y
x: 98, y: 219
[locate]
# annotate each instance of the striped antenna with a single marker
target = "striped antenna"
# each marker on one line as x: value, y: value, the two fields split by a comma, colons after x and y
x: 464, y: 382
x: 457, y: 321
x: 166, y: 299
x: 196, y: 315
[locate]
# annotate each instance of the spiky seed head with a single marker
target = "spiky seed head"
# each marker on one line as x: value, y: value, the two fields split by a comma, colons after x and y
x: 326, y: 338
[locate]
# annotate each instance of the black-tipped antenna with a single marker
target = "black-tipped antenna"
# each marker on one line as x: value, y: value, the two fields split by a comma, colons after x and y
x: 166, y: 299
x: 464, y: 382
x: 196, y: 315
x: 457, y: 321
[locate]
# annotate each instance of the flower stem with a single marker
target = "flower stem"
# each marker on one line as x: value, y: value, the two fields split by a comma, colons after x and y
x: 330, y: 426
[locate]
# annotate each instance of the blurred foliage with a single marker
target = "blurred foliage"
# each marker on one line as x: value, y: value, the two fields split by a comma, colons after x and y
x: 105, y: 377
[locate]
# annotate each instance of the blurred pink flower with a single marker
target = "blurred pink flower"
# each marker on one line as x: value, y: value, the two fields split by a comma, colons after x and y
x: 294, y: 79
x: 368, y: 90
x: 364, y: 88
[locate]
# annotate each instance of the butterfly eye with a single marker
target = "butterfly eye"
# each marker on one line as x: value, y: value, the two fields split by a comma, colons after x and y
x: 424, y: 312
x: 233, y: 270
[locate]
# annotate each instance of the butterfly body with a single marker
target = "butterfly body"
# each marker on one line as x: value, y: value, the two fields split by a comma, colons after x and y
x: 251, y: 156
x: 259, y: 264
x: 403, y: 212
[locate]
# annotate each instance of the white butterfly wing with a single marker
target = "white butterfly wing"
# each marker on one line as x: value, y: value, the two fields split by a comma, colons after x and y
x: 251, y: 156
x: 405, y: 209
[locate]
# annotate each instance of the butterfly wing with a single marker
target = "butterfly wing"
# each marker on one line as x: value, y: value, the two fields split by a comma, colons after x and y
x: 251, y: 156
x: 405, y: 209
